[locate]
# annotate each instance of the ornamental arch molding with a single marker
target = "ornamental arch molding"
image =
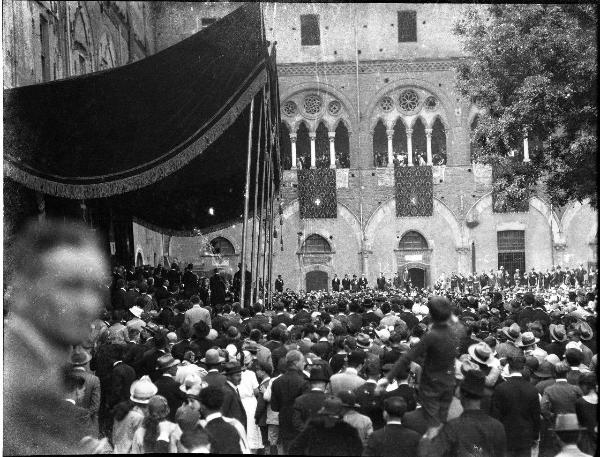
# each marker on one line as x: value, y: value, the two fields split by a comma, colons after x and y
x: 388, y: 208
x: 571, y: 212
x: 535, y: 202
x: 328, y: 93
x: 344, y: 213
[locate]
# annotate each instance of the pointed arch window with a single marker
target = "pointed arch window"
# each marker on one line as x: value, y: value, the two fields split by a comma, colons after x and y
x: 342, y: 145
x: 322, y: 146
x: 438, y: 143
x: 286, y: 146
x: 419, y: 142
x: 399, y: 140
x: 380, y: 145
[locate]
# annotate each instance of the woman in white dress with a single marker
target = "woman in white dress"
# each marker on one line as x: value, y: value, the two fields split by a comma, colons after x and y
x: 248, y: 390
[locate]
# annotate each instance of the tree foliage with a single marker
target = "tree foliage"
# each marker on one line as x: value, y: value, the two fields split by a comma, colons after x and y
x: 532, y: 69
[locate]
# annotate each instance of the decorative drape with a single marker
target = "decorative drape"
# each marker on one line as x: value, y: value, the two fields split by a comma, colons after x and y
x: 317, y: 193
x: 162, y: 139
x: 414, y: 191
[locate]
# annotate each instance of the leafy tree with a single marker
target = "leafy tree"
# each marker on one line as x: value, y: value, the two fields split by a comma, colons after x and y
x: 532, y: 68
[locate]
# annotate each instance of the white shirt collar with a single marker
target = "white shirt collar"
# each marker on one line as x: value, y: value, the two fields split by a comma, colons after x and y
x: 213, y: 416
x: 514, y: 375
x: 70, y: 400
x: 397, y: 422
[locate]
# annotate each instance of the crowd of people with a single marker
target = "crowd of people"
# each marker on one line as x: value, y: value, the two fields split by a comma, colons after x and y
x: 142, y: 362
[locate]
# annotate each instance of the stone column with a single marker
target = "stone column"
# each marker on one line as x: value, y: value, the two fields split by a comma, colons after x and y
x: 293, y: 137
x: 313, y: 152
x: 331, y: 149
x: 525, y: 149
x: 409, y: 146
x: 390, y: 137
x: 428, y: 133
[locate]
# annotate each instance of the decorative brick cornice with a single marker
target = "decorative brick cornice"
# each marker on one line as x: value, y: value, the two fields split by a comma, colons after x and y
x: 375, y: 66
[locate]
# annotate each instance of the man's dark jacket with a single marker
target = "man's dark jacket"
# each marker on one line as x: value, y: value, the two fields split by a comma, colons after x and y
x: 515, y: 403
x: 285, y: 390
x: 317, y: 439
x: 223, y: 437
x: 307, y: 406
x: 393, y: 440
x: 232, y: 405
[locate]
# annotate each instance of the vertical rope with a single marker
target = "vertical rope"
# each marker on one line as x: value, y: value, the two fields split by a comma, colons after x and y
x: 253, y: 269
x: 246, y: 204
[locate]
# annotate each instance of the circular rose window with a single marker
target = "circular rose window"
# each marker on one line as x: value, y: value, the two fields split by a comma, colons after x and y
x: 409, y: 100
x: 312, y: 104
x: 289, y: 108
x: 387, y: 104
x: 431, y: 103
x: 334, y: 108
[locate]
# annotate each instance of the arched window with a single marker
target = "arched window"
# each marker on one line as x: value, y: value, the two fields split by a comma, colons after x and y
x: 285, y: 145
x: 380, y: 145
x: 222, y: 246
x: 438, y: 143
x: 419, y: 143
x: 399, y: 139
x: 412, y: 241
x: 303, y: 146
x: 342, y: 145
x: 314, y: 244
x: 322, y: 146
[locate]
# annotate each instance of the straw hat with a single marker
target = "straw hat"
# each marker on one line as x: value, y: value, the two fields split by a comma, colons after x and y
x: 481, y: 353
x: 142, y: 390
x: 513, y: 332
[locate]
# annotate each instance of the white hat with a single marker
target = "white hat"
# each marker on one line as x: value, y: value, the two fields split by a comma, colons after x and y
x: 383, y: 334
x: 192, y: 384
x: 212, y: 335
x: 172, y: 337
x: 142, y: 390
x: 136, y: 311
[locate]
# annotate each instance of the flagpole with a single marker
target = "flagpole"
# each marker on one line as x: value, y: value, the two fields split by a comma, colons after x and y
x: 246, y: 204
x: 264, y: 195
x: 253, y: 270
x: 551, y: 238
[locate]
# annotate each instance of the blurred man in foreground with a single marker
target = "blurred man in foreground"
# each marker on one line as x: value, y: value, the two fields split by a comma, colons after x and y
x: 57, y: 293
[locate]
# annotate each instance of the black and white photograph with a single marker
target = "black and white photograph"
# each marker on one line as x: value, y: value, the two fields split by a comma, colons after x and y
x: 276, y: 228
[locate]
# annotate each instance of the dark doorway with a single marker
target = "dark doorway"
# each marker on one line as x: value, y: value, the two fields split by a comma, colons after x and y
x: 417, y: 277
x: 316, y: 280
x: 139, y: 261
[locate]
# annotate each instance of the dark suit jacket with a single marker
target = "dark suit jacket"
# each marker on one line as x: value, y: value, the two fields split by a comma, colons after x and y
x: 217, y: 290
x: 232, y: 405
x: 355, y: 323
x: 515, y: 403
x: 346, y: 283
x: 221, y: 436
x: 301, y: 318
x: 322, y: 349
x: 285, y: 390
x: 306, y: 406
x: 317, y: 439
x: 393, y: 440
x: 416, y: 420
x: 369, y: 317
x: 169, y: 388
x: 147, y: 364
x: 213, y: 378
x: 335, y: 284
x: 118, y: 299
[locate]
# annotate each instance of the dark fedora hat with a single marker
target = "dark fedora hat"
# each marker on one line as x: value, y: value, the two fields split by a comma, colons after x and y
x: 166, y: 361
x: 545, y: 370
x: 317, y: 373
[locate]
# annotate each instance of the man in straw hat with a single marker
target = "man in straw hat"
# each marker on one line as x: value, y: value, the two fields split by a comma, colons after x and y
x: 166, y: 384
x: 568, y: 430
x: 508, y: 348
x: 90, y: 395
x: 212, y: 361
x: 473, y: 432
x: 327, y: 434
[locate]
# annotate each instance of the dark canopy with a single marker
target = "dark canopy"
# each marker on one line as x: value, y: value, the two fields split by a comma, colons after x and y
x: 162, y: 139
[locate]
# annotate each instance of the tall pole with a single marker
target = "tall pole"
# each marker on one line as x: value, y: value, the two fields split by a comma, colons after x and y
x: 270, y: 257
x: 253, y: 270
x: 261, y: 225
x: 246, y: 203
x: 264, y: 210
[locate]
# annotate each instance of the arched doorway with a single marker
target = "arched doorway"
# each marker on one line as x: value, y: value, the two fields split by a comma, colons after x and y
x: 316, y: 280
x: 139, y: 260
x: 417, y: 277
x: 414, y: 254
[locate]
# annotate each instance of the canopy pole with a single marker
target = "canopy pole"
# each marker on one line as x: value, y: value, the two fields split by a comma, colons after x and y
x: 270, y: 268
x: 254, y: 270
x: 261, y: 225
x: 246, y: 204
